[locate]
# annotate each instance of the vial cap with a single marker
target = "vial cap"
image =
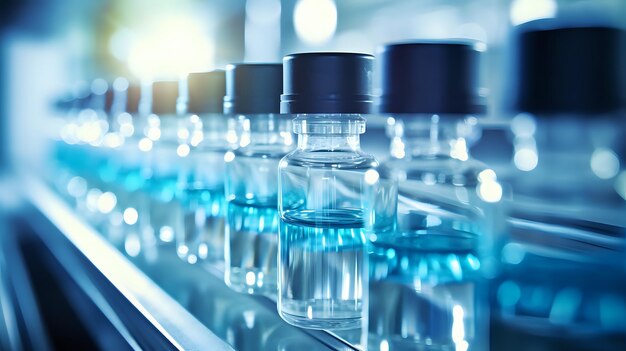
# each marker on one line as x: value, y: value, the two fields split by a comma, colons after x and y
x: 109, y: 96
x: 164, y: 97
x: 579, y: 70
x: 205, y: 92
x: 327, y: 82
x: 133, y: 95
x: 430, y: 77
x: 253, y: 88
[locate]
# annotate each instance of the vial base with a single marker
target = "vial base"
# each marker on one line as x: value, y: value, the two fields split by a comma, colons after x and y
x: 323, y: 269
x: 251, y: 249
x: 425, y: 288
x: 203, y: 234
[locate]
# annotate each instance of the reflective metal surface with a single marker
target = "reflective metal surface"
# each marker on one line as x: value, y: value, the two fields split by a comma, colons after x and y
x: 188, y: 304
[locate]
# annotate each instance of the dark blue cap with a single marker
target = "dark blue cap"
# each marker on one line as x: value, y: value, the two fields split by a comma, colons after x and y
x: 430, y: 77
x: 108, y: 100
x: 205, y: 92
x: 327, y: 82
x: 576, y: 70
x: 133, y: 95
x: 164, y: 97
x: 253, y: 88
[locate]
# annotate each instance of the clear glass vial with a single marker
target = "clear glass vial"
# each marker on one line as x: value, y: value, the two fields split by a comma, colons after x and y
x: 161, y: 218
x: 253, y: 94
x: 322, y: 204
x: 205, y: 134
x: 562, y: 279
x: 431, y: 216
x: 92, y: 128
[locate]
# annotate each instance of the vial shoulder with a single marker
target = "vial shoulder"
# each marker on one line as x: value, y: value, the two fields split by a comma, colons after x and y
x: 339, y: 159
x: 263, y: 151
x: 434, y: 170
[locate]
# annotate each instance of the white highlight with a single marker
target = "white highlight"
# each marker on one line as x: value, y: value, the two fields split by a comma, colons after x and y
x: 526, y: 159
x: 459, y: 149
x: 229, y: 156
x: 145, y: 144
x: 250, y: 278
x: 384, y: 345
x: 183, y: 150
x: 371, y: 177
x: 458, y: 328
x: 106, y: 202
x: 231, y: 136
x: 203, y: 250
x: 171, y: 44
x: 182, y: 250
x: 523, y: 11
x: 490, y: 191
x: 192, y: 259
x: 130, y: 216
x: 487, y: 175
x: 166, y: 234
x: 182, y: 133
x: 315, y: 21
x: 154, y: 133
x: 604, y: 163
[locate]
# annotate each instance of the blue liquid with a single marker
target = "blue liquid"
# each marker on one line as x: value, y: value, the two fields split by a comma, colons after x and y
x: 323, y: 261
x: 425, y: 285
x: 568, y: 292
x: 202, y: 237
x: 251, y: 248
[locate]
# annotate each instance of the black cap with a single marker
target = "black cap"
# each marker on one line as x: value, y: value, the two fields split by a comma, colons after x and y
x: 430, y: 77
x: 108, y: 100
x: 133, y: 95
x: 576, y: 70
x: 253, y: 88
x: 205, y: 92
x: 164, y: 97
x: 327, y: 82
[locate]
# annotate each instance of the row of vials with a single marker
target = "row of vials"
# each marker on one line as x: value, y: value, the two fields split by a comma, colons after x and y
x: 258, y: 170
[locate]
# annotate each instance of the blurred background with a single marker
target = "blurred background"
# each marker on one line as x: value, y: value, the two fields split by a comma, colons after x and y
x: 48, y: 48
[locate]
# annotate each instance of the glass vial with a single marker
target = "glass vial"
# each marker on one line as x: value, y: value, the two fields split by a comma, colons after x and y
x: 563, y: 262
x: 205, y: 134
x: 161, y: 218
x: 322, y: 242
x: 253, y: 95
x: 429, y: 222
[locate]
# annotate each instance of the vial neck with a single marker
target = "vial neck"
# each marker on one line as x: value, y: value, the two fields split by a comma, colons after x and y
x: 266, y: 129
x: 332, y: 142
x: 430, y: 137
x: 339, y: 132
x: 208, y: 130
